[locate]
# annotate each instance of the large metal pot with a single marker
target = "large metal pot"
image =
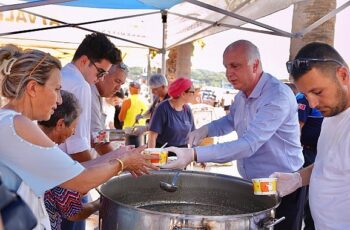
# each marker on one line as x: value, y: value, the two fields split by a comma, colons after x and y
x: 205, y: 201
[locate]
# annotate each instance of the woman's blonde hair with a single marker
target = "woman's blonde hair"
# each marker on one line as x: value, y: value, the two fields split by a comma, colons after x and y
x: 18, y: 67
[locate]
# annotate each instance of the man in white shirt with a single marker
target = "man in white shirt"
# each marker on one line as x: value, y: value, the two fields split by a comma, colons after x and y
x: 91, y: 63
x: 323, y: 76
x: 107, y: 88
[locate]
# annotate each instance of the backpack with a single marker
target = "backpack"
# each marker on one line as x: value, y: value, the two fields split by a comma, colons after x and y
x: 14, y: 211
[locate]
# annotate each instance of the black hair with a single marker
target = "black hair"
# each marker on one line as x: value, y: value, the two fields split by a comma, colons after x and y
x: 97, y: 46
x: 69, y: 110
x: 317, y: 50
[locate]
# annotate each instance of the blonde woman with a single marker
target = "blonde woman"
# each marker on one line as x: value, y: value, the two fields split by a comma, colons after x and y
x: 31, y: 80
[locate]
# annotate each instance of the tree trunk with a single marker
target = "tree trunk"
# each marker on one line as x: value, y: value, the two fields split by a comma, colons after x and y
x: 307, y: 12
x: 179, y: 61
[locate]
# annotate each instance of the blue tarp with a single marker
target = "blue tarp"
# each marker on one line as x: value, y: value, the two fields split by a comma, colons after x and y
x: 137, y: 23
x: 123, y: 4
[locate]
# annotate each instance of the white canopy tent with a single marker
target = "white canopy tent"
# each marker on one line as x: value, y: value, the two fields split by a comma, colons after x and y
x: 156, y: 24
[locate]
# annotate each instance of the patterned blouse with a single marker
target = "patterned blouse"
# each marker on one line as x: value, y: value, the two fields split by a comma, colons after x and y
x: 61, y: 204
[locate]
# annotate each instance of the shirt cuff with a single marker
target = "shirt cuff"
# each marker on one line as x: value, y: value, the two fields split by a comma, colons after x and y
x: 203, y: 154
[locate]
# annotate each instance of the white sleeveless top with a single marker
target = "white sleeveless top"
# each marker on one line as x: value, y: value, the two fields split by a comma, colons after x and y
x: 40, y: 168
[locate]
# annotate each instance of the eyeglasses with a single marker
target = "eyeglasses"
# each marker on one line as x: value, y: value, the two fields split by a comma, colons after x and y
x: 303, y: 65
x: 190, y: 91
x: 100, y: 72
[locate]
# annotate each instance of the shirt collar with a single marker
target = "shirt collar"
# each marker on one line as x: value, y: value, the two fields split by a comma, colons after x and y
x: 257, y: 91
x: 95, y: 90
x: 75, y: 69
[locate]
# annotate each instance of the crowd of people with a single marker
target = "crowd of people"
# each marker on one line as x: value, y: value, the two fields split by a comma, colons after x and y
x: 280, y: 134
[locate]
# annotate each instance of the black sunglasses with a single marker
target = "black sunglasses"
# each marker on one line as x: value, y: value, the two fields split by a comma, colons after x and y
x: 190, y: 91
x: 100, y: 72
x: 303, y: 65
x: 123, y: 67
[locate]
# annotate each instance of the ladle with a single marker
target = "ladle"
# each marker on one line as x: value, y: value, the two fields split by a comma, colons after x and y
x: 170, y: 187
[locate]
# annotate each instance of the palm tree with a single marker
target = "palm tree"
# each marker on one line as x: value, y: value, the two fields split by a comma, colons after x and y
x: 307, y: 12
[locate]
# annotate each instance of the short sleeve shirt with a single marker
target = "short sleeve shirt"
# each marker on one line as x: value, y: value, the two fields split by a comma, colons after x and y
x: 330, y: 178
x: 98, y: 117
x: 172, y: 126
x: 73, y: 81
x: 312, y: 119
x: 42, y: 168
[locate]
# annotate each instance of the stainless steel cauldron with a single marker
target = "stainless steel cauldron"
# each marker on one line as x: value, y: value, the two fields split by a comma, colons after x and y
x: 202, y: 201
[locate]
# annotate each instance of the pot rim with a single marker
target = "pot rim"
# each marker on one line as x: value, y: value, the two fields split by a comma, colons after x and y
x: 239, y: 216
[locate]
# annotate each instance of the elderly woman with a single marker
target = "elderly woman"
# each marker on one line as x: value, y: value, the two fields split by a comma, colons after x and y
x: 172, y: 120
x: 63, y: 204
x: 31, y: 80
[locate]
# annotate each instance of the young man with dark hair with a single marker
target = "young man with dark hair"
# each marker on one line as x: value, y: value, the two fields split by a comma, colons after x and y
x: 323, y: 76
x: 91, y: 63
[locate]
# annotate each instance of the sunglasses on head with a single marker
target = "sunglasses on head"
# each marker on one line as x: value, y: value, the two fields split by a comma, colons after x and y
x: 123, y: 67
x: 304, y: 64
x: 100, y: 72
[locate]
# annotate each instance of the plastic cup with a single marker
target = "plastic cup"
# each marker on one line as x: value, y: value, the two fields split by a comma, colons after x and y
x: 161, y: 153
x: 264, y: 186
x: 100, y: 136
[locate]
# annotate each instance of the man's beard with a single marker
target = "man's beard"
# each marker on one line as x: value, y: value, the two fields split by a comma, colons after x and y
x: 342, y: 99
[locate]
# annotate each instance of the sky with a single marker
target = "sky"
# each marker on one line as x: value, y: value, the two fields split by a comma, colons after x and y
x: 274, y: 50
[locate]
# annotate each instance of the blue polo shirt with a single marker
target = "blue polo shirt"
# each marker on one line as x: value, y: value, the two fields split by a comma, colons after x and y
x: 312, y: 119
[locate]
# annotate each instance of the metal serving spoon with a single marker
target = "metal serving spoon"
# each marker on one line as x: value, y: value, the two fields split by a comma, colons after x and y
x: 170, y: 187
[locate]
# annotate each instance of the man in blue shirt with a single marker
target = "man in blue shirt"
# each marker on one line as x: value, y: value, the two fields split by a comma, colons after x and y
x: 310, y: 120
x: 265, y: 118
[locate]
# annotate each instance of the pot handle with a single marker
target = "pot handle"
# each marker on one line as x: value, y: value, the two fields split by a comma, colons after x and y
x: 186, y: 227
x: 272, y: 222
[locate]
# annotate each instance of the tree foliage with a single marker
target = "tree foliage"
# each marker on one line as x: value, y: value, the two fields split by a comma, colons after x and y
x: 200, y: 77
x: 208, y: 78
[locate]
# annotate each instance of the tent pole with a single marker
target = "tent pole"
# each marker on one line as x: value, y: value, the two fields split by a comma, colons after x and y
x: 233, y: 15
x: 163, y: 50
x: 218, y: 23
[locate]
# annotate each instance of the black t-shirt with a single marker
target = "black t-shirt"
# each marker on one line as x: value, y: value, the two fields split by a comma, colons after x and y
x: 117, y: 123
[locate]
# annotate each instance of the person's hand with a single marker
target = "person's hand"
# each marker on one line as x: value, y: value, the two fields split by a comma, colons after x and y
x: 195, y: 137
x: 138, y: 117
x: 287, y: 182
x: 184, y: 157
x: 119, y: 151
x: 139, y: 129
x: 137, y: 163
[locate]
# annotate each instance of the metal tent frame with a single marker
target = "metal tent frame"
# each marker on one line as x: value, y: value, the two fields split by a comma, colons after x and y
x: 267, y: 29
